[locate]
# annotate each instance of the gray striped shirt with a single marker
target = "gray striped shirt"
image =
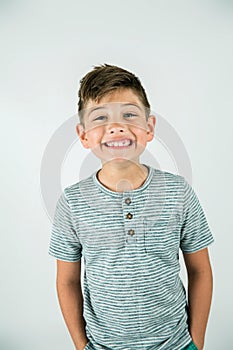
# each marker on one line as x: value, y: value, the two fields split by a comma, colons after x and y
x: 134, y: 298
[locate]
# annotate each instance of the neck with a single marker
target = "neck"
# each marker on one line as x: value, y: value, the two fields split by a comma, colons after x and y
x: 120, y: 177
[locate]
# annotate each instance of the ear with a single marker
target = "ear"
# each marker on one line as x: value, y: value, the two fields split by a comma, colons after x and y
x: 151, y: 127
x: 82, y: 135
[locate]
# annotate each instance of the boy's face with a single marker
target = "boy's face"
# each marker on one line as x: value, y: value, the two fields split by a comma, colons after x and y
x: 115, y: 128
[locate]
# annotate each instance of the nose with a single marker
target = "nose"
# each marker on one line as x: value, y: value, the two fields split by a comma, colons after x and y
x: 116, y: 128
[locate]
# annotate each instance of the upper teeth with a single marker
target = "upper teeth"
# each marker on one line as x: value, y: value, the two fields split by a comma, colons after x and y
x: 118, y: 143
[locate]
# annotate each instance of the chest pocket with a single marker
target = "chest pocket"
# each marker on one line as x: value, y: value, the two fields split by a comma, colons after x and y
x: 162, y: 236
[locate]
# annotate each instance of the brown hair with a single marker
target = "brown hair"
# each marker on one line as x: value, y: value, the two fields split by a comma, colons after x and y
x: 104, y: 79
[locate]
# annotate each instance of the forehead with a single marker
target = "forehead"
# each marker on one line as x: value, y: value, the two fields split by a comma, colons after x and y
x: 121, y: 96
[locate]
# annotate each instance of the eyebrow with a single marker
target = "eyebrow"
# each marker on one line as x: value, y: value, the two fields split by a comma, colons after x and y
x: 132, y: 104
x: 95, y: 109
x: 122, y: 105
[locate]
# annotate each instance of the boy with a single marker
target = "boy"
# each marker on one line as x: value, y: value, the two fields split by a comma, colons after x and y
x: 129, y: 220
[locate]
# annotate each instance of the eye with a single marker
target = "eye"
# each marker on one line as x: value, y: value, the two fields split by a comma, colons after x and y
x: 129, y: 115
x: 100, y: 117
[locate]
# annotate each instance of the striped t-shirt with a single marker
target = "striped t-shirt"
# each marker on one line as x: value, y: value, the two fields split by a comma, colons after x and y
x: 134, y: 298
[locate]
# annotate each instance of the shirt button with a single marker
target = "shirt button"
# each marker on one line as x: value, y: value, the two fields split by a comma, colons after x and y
x: 129, y: 216
x: 128, y: 201
x: 131, y: 232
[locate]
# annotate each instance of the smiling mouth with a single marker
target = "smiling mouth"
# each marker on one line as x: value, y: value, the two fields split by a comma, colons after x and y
x: 118, y: 144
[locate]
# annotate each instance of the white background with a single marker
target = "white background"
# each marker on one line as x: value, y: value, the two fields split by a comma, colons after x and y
x: 182, y: 52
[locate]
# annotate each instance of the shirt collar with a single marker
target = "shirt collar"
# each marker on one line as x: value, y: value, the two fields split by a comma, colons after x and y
x: 121, y: 194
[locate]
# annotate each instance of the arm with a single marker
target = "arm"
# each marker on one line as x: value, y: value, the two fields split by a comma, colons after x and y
x: 200, y: 285
x: 71, y: 300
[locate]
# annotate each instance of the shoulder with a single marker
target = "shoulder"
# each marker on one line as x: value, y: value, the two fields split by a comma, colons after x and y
x: 76, y: 194
x: 170, y: 180
x: 77, y: 187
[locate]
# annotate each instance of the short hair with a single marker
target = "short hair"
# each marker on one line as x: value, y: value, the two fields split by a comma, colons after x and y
x: 104, y: 79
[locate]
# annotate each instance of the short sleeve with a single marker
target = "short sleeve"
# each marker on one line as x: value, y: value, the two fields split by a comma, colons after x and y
x: 195, y: 231
x: 64, y: 242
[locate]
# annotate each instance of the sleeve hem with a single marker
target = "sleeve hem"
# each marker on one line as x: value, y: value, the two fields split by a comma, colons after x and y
x: 64, y: 259
x: 190, y: 251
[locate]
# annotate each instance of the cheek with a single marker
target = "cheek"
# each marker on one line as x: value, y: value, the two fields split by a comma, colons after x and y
x: 140, y: 133
x: 94, y: 134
